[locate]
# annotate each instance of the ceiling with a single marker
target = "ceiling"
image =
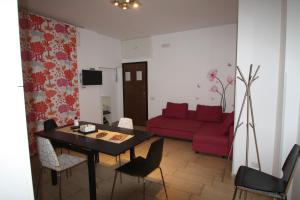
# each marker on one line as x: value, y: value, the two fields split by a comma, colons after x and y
x: 154, y: 17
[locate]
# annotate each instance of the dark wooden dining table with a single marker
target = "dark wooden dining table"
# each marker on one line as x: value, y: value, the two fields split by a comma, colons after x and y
x: 91, y: 147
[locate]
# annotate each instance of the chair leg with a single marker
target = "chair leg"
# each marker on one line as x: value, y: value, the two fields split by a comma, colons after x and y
x: 240, y: 195
x: 59, y: 188
x: 67, y: 173
x: 96, y: 158
x: 234, y: 194
x: 163, y: 180
x: 144, y: 189
x: 113, y: 188
x: 245, y: 195
x: 120, y: 166
x: 38, y: 183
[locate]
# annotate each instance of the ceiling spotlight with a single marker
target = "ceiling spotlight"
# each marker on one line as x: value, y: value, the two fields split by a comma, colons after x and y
x: 136, y: 5
x: 126, y: 4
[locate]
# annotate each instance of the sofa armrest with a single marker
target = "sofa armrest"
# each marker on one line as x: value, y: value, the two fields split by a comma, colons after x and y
x: 151, y: 121
x: 230, y: 134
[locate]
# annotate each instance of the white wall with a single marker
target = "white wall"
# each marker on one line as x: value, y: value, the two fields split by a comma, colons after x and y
x: 292, y: 95
x: 177, y: 62
x: 15, y: 172
x: 259, y: 39
x: 280, y: 96
x: 94, y: 51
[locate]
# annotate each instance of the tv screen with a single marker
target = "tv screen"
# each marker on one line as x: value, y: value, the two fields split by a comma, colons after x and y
x: 91, y: 77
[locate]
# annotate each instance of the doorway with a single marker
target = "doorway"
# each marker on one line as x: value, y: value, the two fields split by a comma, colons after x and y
x: 135, y: 92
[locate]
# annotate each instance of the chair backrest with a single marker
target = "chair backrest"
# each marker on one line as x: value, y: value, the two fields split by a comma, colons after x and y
x: 47, y: 155
x: 154, y: 155
x: 125, y: 123
x: 49, y: 125
x: 289, y: 164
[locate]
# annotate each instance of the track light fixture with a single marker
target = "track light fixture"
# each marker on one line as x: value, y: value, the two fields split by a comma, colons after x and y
x: 126, y: 4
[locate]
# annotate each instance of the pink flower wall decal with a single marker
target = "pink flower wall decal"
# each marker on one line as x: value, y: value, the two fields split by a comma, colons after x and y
x: 230, y: 80
x: 229, y: 64
x: 212, y: 74
x: 214, y: 88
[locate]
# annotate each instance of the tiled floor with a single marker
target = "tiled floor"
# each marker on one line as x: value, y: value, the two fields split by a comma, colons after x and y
x: 188, y: 176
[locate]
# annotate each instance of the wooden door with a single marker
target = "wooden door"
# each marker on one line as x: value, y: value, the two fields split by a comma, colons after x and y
x: 135, y: 92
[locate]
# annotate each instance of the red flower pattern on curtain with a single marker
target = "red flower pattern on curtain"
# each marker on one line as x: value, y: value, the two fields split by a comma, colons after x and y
x: 49, y: 63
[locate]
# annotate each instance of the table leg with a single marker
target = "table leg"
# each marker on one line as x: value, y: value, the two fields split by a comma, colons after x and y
x: 97, y: 157
x: 92, y: 176
x: 132, y: 153
x: 54, y: 177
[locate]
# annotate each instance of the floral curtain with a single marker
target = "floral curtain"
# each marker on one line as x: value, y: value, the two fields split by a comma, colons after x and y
x: 49, y: 62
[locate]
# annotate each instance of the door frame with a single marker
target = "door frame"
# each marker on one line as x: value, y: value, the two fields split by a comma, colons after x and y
x: 146, y: 63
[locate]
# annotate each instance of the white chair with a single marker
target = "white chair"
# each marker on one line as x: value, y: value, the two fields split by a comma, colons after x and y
x: 124, y: 123
x: 50, y: 160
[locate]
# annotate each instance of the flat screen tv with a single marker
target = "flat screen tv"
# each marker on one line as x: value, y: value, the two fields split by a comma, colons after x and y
x: 91, y: 77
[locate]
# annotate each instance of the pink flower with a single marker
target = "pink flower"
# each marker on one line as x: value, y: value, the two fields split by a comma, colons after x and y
x: 32, y: 116
x: 28, y: 87
x: 59, y: 28
x: 212, y: 74
x: 26, y: 55
x: 61, y: 56
x: 230, y: 80
x: 63, y: 108
x: 62, y: 82
x: 214, y: 88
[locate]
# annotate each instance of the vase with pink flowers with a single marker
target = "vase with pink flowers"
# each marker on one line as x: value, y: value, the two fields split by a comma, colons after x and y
x: 212, y: 76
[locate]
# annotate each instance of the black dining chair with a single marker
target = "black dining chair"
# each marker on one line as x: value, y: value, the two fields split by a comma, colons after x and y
x: 252, y: 180
x: 140, y: 167
x: 50, y: 125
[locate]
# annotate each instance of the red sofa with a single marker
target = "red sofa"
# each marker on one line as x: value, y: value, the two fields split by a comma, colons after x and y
x: 210, y: 130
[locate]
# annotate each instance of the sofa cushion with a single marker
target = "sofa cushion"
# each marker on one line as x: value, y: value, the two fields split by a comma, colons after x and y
x: 174, y: 124
x: 191, y: 115
x: 210, y: 139
x: 180, y: 134
x: 212, y: 129
x: 209, y: 113
x: 176, y: 110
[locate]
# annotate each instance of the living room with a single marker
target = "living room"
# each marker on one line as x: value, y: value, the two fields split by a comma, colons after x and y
x: 179, y: 60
